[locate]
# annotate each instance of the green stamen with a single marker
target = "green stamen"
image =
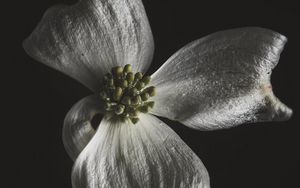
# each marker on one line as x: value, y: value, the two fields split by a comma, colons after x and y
x: 126, y: 100
x: 127, y: 68
x: 117, y: 71
x: 138, y: 75
x: 133, y: 91
x: 125, y: 94
x: 130, y: 77
x: 119, y: 109
x: 124, y: 84
x: 136, y: 100
x: 144, y: 109
x: 146, y: 80
x: 145, y: 96
x: 117, y: 94
x: 140, y: 85
x: 151, y: 91
x: 134, y: 120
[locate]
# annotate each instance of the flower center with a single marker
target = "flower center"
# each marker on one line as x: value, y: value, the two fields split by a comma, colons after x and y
x: 126, y: 94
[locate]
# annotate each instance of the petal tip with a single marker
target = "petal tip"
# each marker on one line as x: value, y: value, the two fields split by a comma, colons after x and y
x: 274, y: 109
x: 276, y: 35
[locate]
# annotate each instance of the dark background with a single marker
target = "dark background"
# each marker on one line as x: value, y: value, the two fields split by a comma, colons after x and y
x: 37, y: 98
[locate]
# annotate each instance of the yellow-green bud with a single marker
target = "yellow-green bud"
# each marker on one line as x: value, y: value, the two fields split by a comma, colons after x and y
x: 130, y: 77
x: 133, y: 92
x: 138, y: 75
x: 140, y: 85
x: 124, y: 84
x: 136, y: 100
x: 126, y: 100
x: 127, y: 68
x: 146, y: 80
x: 145, y: 96
x: 117, y: 93
x: 117, y: 71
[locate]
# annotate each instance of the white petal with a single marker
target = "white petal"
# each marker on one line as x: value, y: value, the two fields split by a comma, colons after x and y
x: 222, y: 80
x: 86, y: 39
x: 147, y: 154
x: 77, y: 130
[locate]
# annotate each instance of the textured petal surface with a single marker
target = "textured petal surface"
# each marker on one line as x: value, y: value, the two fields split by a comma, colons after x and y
x: 147, y: 154
x: 85, y: 40
x: 222, y: 80
x: 77, y: 130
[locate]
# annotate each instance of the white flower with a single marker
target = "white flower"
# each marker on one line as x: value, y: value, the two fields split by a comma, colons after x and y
x: 216, y: 82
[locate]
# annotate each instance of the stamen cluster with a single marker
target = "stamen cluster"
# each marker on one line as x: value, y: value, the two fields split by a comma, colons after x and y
x: 125, y: 94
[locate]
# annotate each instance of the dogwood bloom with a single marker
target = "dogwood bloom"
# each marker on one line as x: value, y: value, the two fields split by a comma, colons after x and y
x: 216, y: 82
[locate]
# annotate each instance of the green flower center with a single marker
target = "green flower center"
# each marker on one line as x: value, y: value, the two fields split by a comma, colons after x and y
x: 126, y: 94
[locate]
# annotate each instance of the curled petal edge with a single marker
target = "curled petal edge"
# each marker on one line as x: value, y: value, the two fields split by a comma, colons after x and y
x: 77, y: 128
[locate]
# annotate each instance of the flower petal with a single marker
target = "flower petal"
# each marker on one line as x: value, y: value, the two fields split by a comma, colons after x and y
x: 147, y: 154
x: 77, y: 130
x: 222, y: 80
x: 86, y: 39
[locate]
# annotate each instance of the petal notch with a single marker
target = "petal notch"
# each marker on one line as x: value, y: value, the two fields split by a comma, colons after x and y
x: 221, y: 80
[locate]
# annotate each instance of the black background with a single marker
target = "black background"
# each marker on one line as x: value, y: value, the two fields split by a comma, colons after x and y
x: 37, y: 97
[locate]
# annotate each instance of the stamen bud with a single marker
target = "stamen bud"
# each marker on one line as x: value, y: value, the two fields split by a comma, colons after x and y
x: 138, y: 75
x: 134, y: 120
x: 140, y: 85
x: 117, y: 71
x: 130, y: 77
x: 126, y: 100
x: 117, y: 93
x: 119, y: 109
x: 145, y: 96
x: 133, y: 92
x: 136, y: 100
x: 146, y: 80
x: 144, y: 109
x: 151, y: 90
x: 124, y: 84
x: 127, y: 68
